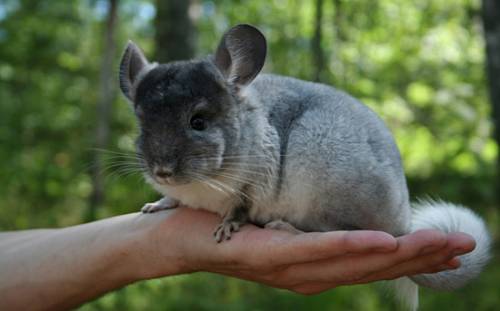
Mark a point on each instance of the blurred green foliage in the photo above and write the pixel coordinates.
(419, 64)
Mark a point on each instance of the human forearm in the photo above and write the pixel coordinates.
(7, 239)
(61, 268)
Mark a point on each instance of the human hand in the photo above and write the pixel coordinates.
(305, 263)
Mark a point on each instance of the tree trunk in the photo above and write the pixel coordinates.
(107, 95)
(491, 22)
(339, 25)
(318, 54)
(338, 21)
(174, 37)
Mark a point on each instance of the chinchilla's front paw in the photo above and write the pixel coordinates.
(165, 203)
(225, 229)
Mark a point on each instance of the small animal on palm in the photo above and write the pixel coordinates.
(278, 152)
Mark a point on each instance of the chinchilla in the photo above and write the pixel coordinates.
(278, 152)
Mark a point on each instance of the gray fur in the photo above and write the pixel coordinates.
(339, 152)
(278, 151)
(133, 67)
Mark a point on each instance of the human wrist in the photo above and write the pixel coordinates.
(180, 241)
(159, 245)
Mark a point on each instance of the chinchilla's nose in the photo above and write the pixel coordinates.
(163, 172)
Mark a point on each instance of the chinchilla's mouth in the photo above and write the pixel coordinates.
(170, 181)
(164, 181)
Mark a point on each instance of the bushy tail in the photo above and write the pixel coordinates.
(448, 218)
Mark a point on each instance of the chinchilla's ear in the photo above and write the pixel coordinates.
(241, 54)
(133, 67)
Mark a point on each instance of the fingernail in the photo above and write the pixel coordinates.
(445, 267)
(448, 266)
(453, 263)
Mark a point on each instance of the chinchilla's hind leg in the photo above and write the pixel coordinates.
(282, 225)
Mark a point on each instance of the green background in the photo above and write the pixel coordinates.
(419, 64)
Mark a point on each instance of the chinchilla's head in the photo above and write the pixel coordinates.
(190, 112)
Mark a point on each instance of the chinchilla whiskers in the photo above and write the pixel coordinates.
(225, 188)
(118, 154)
(239, 179)
(117, 161)
(245, 164)
(237, 165)
(247, 169)
(262, 172)
(237, 192)
(266, 173)
(122, 168)
(246, 176)
(125, 161)
(127, 172)
(264, 163)
(234, 157)
(241, 171)
(255, 156)
(121, 158)
(122, 164)
(205, 180)
(123, 172)
(222, 185)
(110, 162)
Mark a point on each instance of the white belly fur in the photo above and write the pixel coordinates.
(198, 195)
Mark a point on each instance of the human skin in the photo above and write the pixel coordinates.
(63, 268)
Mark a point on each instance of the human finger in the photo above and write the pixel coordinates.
(353, 267)
(457, 244)
(271, 247)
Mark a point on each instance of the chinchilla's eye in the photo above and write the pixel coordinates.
(198, 123)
